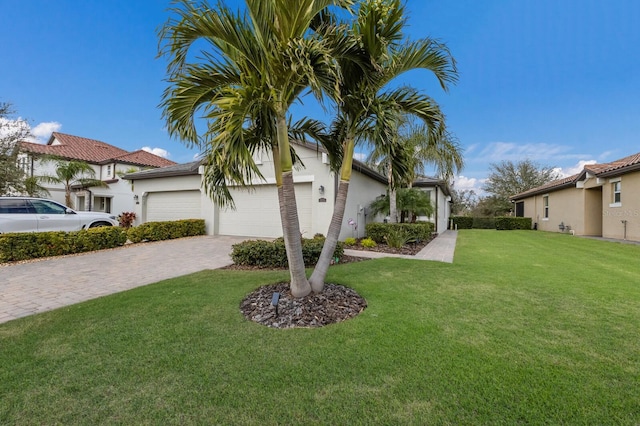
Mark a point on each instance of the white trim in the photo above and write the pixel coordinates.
(618, 179)
(615, 205)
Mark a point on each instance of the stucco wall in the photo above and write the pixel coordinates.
(565, 206)
(628, 209)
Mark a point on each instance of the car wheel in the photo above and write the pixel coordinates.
(99, 224)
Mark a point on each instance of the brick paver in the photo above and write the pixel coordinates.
(43, 285)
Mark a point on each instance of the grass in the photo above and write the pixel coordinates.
(525, 327)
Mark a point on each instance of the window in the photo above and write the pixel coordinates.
(109, 171)
(545, 206)
(615, 187)
(48, 207)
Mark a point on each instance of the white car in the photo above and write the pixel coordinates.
(26, 214)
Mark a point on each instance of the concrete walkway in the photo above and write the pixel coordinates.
(42, 285)
(441, 249)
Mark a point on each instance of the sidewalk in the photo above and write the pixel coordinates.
(441, 249)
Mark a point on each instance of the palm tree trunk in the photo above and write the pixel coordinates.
(393, 208)
(300, 286)
(330, 243)
(329, 247)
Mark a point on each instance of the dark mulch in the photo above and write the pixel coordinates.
(335, 304)
(409, 249)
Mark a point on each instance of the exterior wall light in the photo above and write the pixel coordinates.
(321, 190)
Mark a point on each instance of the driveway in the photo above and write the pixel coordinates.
(43, 285)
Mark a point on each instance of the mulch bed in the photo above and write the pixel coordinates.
(408, 249)
(335, 304)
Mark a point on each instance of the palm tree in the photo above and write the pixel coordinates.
(33, 187)
(70, 173)
(260, 61)
(383, 54)
(402, 150)
(412, 202)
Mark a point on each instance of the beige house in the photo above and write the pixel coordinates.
(603, 200)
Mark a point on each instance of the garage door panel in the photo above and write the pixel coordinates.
(257, 212)
(173, 205)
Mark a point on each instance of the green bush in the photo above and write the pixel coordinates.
(368, 243)
(484, 222)
(398, 237)
(350, 241)
(33, 245)
(272, 254)
(461, 222)
(158, 231)
(415, 231)
(509, 223)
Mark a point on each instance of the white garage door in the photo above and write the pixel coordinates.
(173, 205)
(257, 213)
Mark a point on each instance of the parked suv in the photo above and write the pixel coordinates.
(26, 214)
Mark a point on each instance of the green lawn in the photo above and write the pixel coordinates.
(524, 328)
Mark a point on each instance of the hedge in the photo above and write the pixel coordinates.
(272, 254)
(158, 231)
(416, 231)
(508, 223)
(33, 245)
(500, 223)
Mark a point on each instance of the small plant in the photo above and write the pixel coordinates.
(368, 243)
(126, 219)
(350, 241)
(318, 236)
(398, 237)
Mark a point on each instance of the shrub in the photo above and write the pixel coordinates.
(158, 231)
(368, 243)
(416, 231)
(461, 222)
(509, 223)
(398, 237)
(126, 219)
(350, 241)
(33, 245)
(272, 254)
(484, 222)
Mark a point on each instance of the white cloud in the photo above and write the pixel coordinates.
(157, 151)
(465, 183)
(538, 152)
(360, 156)
(569, 171)
(42, 131)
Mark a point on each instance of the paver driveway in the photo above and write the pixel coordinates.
(43, 285)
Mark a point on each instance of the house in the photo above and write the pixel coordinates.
(108, 162)
(440, 196)
(176, 192)
(602, 200)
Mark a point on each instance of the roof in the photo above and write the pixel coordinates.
(185, 169)
(428, 181)
(614, 168)
(192, 168)
(92, 151)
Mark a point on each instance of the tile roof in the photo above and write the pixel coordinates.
(613, 166)
(630, 163)
(555, 184)
(92, 151)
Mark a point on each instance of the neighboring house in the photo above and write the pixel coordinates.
(108, 162)
(440, 196)
(176, 192)
(603, 200)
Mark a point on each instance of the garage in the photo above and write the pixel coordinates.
(257, 212)
(173, 205)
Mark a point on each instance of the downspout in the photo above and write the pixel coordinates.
(437, 208)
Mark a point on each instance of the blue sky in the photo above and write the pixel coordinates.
(555, 81)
